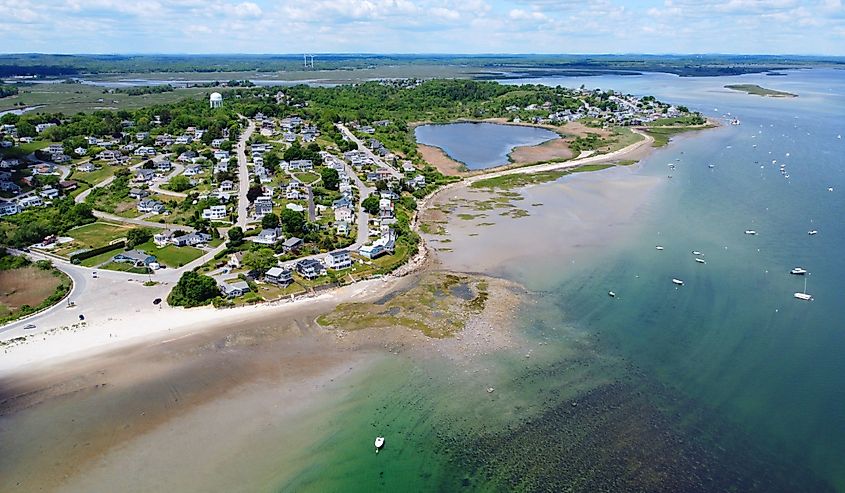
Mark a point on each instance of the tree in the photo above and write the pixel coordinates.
(193, 289)
(370, 204)
(137, 236)
(180, 183)
(270, 221)
(261, 260)
(331, 178)
(293, 222)
(236, 236)
(254, 192)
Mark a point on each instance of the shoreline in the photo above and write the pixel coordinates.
(127, 328)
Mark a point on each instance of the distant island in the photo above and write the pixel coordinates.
(760, 91)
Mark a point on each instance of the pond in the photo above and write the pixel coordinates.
(481, 145)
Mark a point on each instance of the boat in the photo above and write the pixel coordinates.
(803, 295)
(735, 122)
(711, 166)
(812, 232)
(379, 443)
(700, 260)
(678, 282)
(611, 294)
(829, 189)
(658, 247)
(750, 232)
(798, 271)
(696, 252)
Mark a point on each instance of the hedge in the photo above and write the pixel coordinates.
(80, 256)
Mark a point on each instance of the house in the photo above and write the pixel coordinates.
(383, 245)
(227, 186)
(162, 238)
(43, 126)
(8, 186)
(49, 193)
(30, 201)
(221, 154)
(292, 243)
(87, 168)
(338, 260)
(144, 175)
(80, 151)
(418, 181)
(234, 289)
(215, 213)
(216, 143)
(343, 214)
(310, 268)
(192, 170)
(268, 236)
(108, 155)
(8, 208)
(342, 228)
(60, 158)
(191, 239)
(263, 206)
(68, 185)
(145, 151)
(147, 205)
(279, 275)
(184, 139)
(164, 165)
(385, 208)
(135, 257)
(138, 193)
(236, 260)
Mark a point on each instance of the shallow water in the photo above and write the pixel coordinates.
(481, 145)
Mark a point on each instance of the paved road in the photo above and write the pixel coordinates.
(156, 187)
(312, 213)
(377, 159)
(243, 177)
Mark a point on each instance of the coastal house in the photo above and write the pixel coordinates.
(236, 260)
(8, 208)
(343, 214)
(138, 193)
(341, 228)
(146, 206)
(268, 236)
(162, 238)
(227, 186)
(338, 260)
(30, 201)
(144, 175)
(191, 239)
(49, 193)
(279, 276)
(87, 168)
(135, 257)
(234, 289)
(310, 268)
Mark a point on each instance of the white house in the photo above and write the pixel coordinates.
(268, 236)
(8, 208)
(338, 260)
(215, 213)
(30, 201)
(343, 214)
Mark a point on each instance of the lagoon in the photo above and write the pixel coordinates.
(481, 145)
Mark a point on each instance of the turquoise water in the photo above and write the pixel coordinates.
(733, 339)
(481, 145)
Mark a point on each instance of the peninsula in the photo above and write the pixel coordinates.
(756, 90)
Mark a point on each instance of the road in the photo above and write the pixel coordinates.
(363, 218)
(139, 222)
(376, 159)
(243, 177)
(156, 187)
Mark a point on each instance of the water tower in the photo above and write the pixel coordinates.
(216, 100)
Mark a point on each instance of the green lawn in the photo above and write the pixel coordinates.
(171, 256)
(306, 177)
(93, 177)
(98, 234)
(124, 267)
(24, 149)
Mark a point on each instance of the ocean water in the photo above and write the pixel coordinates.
(481, 145)
(727, 383)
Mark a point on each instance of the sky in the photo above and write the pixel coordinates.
(814, 27)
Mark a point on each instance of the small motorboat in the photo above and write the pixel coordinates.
(711, 166)
(750, 232)
(379, 443)
(700, 260)
(812, 232)
(611, 294)
(678, 282)
(803, 296)
(798, 271)
(658, 247)
(696, 252)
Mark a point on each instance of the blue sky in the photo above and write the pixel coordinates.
(423, 26)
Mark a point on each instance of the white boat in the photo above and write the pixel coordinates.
(611, 294)
(803, 295)
(711, 166)
(696, 252)
(798, 271)
(750, 232)
(379, 443)
(812, 232)
(678, 282)
(658, 247)
(700, 260)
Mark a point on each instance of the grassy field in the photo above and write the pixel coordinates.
(100, 259)
(24, 149)
(76, 98)
(29, 289)
(93, 177)
(306, 177)
(756, 90)
(98, 234)
(171, 256)
(517, 180)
